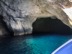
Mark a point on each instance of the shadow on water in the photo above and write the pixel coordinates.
(14, 45)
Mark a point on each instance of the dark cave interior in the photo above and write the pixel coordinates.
(50, 26)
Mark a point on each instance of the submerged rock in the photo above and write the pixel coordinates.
(19, 15)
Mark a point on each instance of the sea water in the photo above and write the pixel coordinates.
(32, 44)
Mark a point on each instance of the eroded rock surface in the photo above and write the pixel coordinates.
(19, 15)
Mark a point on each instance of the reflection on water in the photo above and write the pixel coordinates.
(32, 44)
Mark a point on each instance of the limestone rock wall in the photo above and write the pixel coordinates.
(19, 15)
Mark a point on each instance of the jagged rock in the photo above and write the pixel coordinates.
(19, 15)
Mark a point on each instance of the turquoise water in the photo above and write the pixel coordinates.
(32, 44)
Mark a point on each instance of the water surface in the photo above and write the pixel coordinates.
(32, 44)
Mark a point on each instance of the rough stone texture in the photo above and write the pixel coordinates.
(19, 15)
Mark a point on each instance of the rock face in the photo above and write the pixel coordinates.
(19, 15)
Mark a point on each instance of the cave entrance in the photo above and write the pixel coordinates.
(50, 26)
